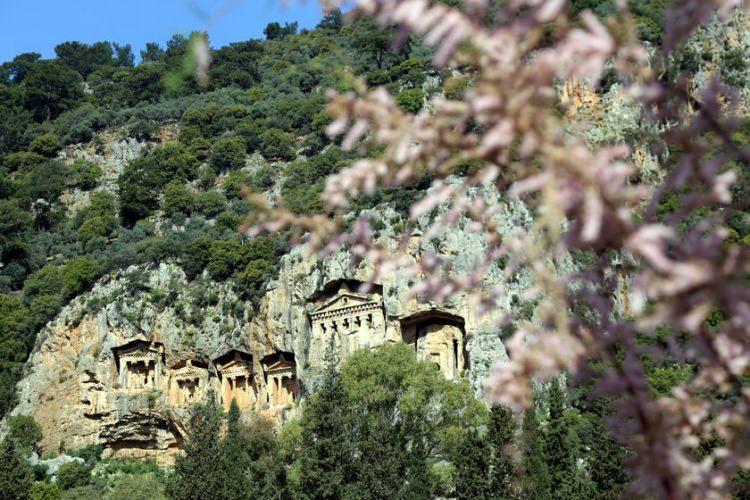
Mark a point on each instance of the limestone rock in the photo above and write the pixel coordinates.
(121, 365)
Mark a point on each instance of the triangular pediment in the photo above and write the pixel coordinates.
(234, 362)
(281, 364)
(342, 300)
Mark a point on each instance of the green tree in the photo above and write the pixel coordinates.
(16, 476)
(84, 58)
(45, 491)
(268, 475)
(46, 145)
(51, 88)
(198, 474)
(85, 174)
(24, 431)
(536, 478)
(196, 255)
(177, 199)
(228, 153)
(424, 414)
(234, 456)
(561, 447)
(605, 459)
(410, 100)
(326, 450)
(277, 145)
(73, 475)
(210, 203)
(142, 180)
(501, 435)
(274, 31)
(473, 468)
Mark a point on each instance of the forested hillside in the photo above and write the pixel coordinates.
(264, 104)
(184, 149)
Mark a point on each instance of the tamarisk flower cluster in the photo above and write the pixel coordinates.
(586, 200)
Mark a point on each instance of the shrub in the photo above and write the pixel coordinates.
(24, 431)
(78, 275)
(91, 453)
(253, 278)
(73, 475)
(228, 153)
(141, 182)
(143, 129)
(200, 147)
(178, 199)
(22, 161)
(251, 131)
(137, 487)
(264, 178)
(93, 227)
(410, 100)
(196, 255)
(206, 177)
(83, 493)
(225, 258)
(45, 491)
(234, 183)
(228, 221)
(46, 145)
(277, 145)
(210, 203)
(85, 174)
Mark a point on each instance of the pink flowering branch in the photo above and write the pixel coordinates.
(584, 199)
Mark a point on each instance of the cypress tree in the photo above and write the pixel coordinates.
(326, 448)
(199, 473)
(473, 468)
(16, 476)
(268, 475)
(536, 476)
(235, 460)
(500, 435)
(558, 454)
(561, 448)
(605, 458)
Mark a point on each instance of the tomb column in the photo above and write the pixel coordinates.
(123, 373)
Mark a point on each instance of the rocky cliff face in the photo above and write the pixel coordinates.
(121, 364)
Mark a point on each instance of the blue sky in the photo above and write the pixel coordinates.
(39, 25)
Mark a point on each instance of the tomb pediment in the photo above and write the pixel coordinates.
(279, 363)
(235, 369)
(189, 372)
(342, 300)
(344, 304)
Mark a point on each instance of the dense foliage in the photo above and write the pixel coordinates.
(384, 425)
(259, 123)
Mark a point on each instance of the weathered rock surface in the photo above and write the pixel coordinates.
(53, 464)
(114, 367)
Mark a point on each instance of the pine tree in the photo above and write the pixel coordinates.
(473, 468)
(326, 448)
(500, 435)
(15, 473)
(199, 473)
(536, 476)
